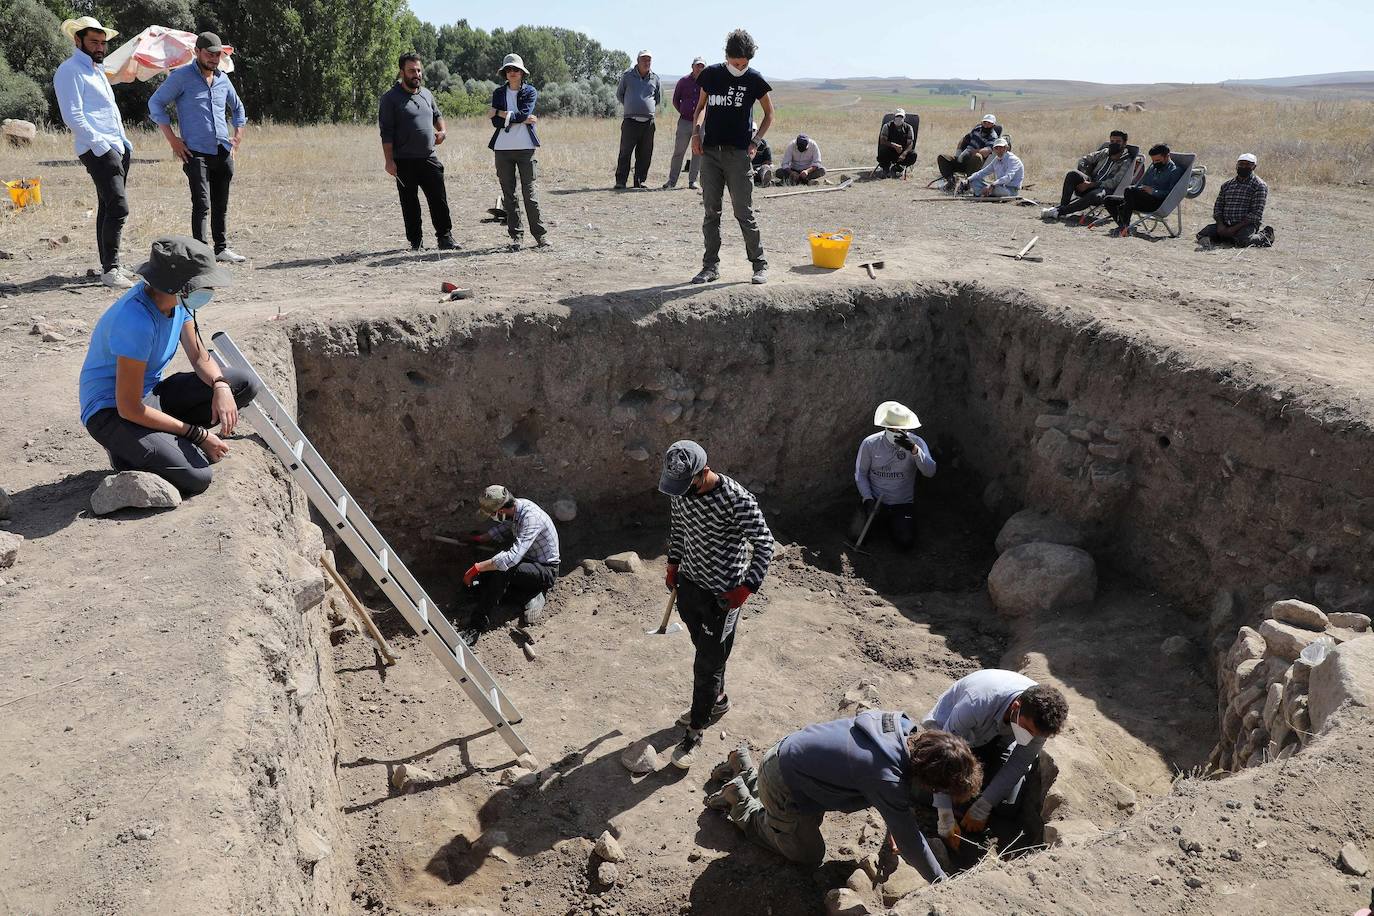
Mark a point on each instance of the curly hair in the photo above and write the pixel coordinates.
(943, 762)
(1047, 706)
(740, 43)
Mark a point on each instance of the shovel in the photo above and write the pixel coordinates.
(663, 628)
(859, 544)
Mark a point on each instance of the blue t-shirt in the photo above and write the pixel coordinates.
(134, 328)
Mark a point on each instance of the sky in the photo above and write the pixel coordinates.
(995, 39)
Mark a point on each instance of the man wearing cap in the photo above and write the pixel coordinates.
(132, 344)
(719, 547)
(974, 148)
(412, 126)
(527, 564)
(896, 145)
(801, 162)
(885, 472)
(1239, 210)
(1001, 176)
(201, 94)
(640, 94)
(88, 108)
(685, 101)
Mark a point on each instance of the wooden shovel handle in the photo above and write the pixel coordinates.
(668, 611)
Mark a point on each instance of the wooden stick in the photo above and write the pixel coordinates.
(361, 611)
(444, 540)
(44, 690)
(1029, 245)
(839, 187)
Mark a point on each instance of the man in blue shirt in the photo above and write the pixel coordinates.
(201, 94)
(88, 108)
(1159, 179)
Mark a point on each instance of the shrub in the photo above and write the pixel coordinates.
(21, 97)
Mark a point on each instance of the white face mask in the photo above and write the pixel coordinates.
(735, 71)
(1019, 732)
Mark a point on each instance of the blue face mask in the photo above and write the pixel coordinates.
(197, 299)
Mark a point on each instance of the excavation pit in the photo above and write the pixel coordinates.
(1169, 469)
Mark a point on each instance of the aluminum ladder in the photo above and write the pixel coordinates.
(352, 526)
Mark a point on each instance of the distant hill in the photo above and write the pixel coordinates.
(1313, 79)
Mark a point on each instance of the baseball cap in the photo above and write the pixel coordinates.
(899, 113)
(698, 60)
(991, 119)
(683, 461)
(1247, 157)
(1000, 141)
(645, 53)
(209, 41)
(492, 498)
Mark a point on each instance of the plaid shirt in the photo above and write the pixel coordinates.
(1241, 200)
(536, 540)
(710, 535)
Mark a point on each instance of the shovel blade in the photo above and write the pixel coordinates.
(673, 627)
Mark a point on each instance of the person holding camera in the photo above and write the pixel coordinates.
(885, 473)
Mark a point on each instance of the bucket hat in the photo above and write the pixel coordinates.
(513, 60)
(179, 262)
(895, 415)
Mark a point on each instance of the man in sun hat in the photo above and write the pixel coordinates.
(525, 565)
(885, 473)
(131, 345)
(1238, 212)
(973, 150)
(640, 94)
(88, 108)
(719, 547)
(201, 94)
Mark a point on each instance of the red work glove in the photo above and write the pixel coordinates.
(476, 537)
(737, 596)
(472, 573)
(670, 577)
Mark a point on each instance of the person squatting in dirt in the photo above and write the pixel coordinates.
(525, 566)
(719, 547)
(885, 472)
(1238, 214)
(1006, 718)
(877, 759)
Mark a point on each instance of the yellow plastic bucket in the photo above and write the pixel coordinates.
(829, 249)
(25, 192)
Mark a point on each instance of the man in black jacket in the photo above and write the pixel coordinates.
(897, 145)
(973, 151)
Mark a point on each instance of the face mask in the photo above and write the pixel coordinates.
(898, 437)
(899, 121)
(802, 145)
(1114, 149)
(1022, 736)
(1243, 172)
(197, 299)
(1162, 165)
(735, 71)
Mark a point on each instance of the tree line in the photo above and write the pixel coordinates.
(311, 61)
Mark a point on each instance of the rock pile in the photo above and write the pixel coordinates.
(1264, 683)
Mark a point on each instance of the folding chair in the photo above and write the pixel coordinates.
(1097, 214)
(1190, 183)
(915, 121)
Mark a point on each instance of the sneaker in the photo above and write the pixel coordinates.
(707, 275)
(685, 754)
(721, 708)
(543, 242)
(1205, 243)
(961, 188)
(619, 186)
(446, 242)
(515, 245)
(1267, 233)
(229, 256)
(730, 794)
(640, 186)
(416, 246)
(669, 186)
(115, 279)
(535, 604)
(760, 276)
(1050, 213)
(691, 185)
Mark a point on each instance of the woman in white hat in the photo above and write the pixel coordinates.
(885, 473)
(514, 142)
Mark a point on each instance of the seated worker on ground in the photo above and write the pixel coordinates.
(527, 564)
(876, 760)
(897, 146)
(1006, 718)
(972, 151)
(885, 473)
(762, 163)
(1001, 177)
(801, 162)
(130, 347)
(1145, 197)
(1239, 210)
(1108, 170)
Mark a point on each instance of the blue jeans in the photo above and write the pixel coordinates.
(976, 186)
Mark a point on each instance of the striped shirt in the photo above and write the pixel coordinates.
(536, 540)
(710, 533)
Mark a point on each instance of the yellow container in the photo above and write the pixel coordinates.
(25, 192)
(829, 249)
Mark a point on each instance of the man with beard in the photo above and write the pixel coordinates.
(412, 126)
(89, 110)
(201, 94)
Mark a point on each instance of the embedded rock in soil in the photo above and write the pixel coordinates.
(607, 848)
(1030, 526)
(607, 873)
(626, 562)
(1072, 832)
(407, 777)
(1042, 577)
(7, 504)
(1175, 646)
(901, 882)
(1345, 619)
(1299, 614)
(1353, 860)
(842, 901)
(9, 548)
(1347, 674)
(133, 490)
(1285, 642)
(565, 510)
(640, 758)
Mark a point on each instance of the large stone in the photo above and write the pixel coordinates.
(9, 548)
(1271, 705)
(1353, 860)
(133, 490)
(1061, 453)
(1299, 614)
(1284, 641)
(565, 510)
(407, 777)
(607, 873)
(905, 880)
(626, 562)
(1070, 832)
(7, 507)
(1346, 676)
(1348, 620)
(1034, 525)
(1175, 646)
(862, 697)
(1042, 577)
(640, 758)
(313, 847)
(608, 849)
(841, 901)
(1249, 644)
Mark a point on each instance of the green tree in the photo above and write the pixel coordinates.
(437, 77)
(20, 96)
(419, 36)
(466, 50)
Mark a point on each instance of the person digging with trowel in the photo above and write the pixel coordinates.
(719, 547)
(885, 473)
(526, 565)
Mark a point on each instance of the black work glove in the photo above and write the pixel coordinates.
(906, 442)
(868, 505)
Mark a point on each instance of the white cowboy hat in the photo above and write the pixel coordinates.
(894, 415)
(513, 60)
(72, 26)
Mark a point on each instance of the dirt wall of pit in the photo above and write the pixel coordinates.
(1183, 477)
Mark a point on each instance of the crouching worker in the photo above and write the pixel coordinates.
(131, 346)
(896, 145)
(526, 566)
(885, 473)
(1239, 211)
(1006, 718)
(875, 760)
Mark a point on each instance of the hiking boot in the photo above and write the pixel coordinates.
(720, 709)
(760, 276)
(1050, 213)
(515, 245)
(114, 278)
(229, 256)
(687, 750)
(707, 275)
(730, 794)
(446, 242)
(535, 604)
(1267, 233)
(738, 761)
(543, 242)
(620, 186)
